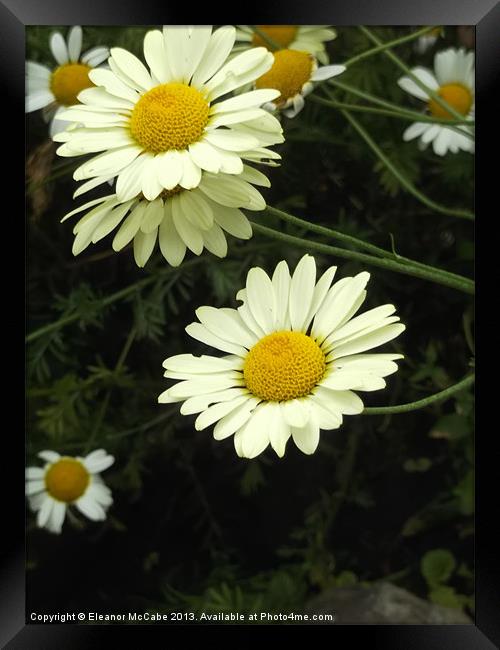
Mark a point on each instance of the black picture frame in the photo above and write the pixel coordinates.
(14, 16)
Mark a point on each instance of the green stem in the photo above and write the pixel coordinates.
(462, 284)
(348, 239)
(66, 320)
(385, 46)
(422, 403)
(463, 214)
(396, 108)
(395, 59)
(408, 116)
(267, 39)
(104, 405)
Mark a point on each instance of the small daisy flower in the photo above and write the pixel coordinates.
(65, 481)
(178, 219)
(160, 127)
(295, 356)
(453, 80)
(54, 90)
(425, 42)
(293, 73)
(308, 38)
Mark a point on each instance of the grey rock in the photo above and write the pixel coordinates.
(382, 604)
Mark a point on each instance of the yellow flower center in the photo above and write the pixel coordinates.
(284, 365)
(290, 71)
(170, 116)
(66, 480)
(281, 34)
(68, 80)
(457, 96)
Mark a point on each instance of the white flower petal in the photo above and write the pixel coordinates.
(155, 55)
(296, 412)
(75, 43)
(58, 48)
(230, 423)
(200, 333)
(132, 68)
(172, 247)
(227, 325)
(56, 518)
(281, 282)
(216, 412)
(218, 49)
(279, 430)
(38, 99)
(261, 298)
(45, 512)
(255, 433)
(143, 246)
(307, 437)
(189, 234)
(90, 508)
(301, 292)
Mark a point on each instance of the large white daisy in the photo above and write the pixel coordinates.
(453, 80)
(65, 481)
(54, 89)
(308, 38)
(161, 127)
(295, 354)
(178, 219)
(292, 74)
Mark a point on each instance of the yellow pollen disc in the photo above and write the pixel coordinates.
(457, 96)
(66, 480)
(284, 365)
(281, 34)
(170, 116)
(290, 71)
(68, 80)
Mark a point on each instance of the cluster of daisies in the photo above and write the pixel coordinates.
(175, 141)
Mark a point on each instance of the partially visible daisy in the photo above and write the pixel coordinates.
(54, 90)
(161, 127)
(309, 38)
(295, 356)
(425, 42)
(178, 219)
(453, 80)
(66, 481)
(292, 74)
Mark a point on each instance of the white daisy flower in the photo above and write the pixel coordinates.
(425, 42)
(161, 127)
(453, 80)
(65, 481)
(295, 354)
(54, 90)
(308, 38)
(178, 219)
(292, 74)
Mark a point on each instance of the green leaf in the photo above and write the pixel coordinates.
(437, 566)
(447, 597)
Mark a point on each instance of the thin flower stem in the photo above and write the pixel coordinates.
(105, 403)
(348, 239)
(267, 39)
(62, 322)
(422, 403)
(360, 108)
(385, 46)
(462, 214)
(395, 108)
(462, 284)
(395, 59)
